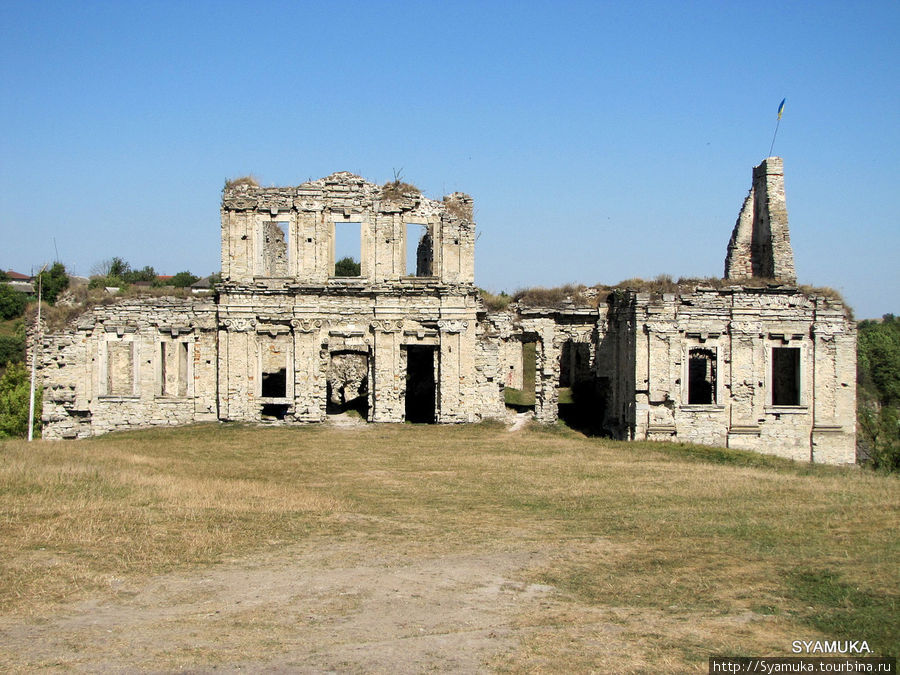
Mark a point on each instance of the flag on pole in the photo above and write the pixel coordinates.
(781, 107)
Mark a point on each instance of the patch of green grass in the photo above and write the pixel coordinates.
(847, 611)
(525, 395)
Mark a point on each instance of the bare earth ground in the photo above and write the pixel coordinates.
(322, 608)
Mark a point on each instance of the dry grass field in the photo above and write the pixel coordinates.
(414, 548)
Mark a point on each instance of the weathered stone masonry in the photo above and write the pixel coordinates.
(753, 365)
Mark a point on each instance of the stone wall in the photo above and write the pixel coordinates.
(784, 375)
(310, 214)
(287, 341)
(135, 363)
(760, 244)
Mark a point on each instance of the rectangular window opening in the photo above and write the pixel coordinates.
(274, 247)
(785, 376)
(173, 368)
(419, 251)
(347, 249)
(702, 376)
(120, 368)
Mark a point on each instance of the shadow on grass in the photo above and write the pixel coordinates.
(845, 612)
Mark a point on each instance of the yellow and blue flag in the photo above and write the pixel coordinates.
(781, 107)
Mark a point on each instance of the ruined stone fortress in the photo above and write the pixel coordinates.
(752, 362)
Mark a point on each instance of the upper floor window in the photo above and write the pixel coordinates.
(273, 246)
(419, 251)
(347, 253)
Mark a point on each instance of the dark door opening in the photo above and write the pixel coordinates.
(420, 384)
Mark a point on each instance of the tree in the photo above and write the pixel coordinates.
(878, 393)
(14, 392)
(118, 268)
(12, 349)
(346, 267)
(12, 302)
(53, 281)
(147, 273)
(183, 279)
(4, 276)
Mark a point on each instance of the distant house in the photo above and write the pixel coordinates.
(163, 278)
(18, 276)
(25, 287)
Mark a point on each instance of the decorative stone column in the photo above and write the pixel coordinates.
(388, 375)
(309, 382)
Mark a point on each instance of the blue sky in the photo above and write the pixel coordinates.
(601, 141)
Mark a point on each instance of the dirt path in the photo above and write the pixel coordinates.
(299, 611)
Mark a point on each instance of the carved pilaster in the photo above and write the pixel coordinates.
(387, 325)
(453, 326)
(239, 325)
(306, 325)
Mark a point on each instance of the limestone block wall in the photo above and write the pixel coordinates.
(490, 369)
(135, 363)
(760, 244)
(310, 215)
(374, 323)
(551, 330)
(770, 370)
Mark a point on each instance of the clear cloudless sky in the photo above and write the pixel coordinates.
(600, 140)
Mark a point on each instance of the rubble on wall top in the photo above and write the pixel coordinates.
(341, 190)
(575, 299)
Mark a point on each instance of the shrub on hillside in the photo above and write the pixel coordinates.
(14, 392)
(12, 302)
(878, 393)
(12, 347)
(53, 282)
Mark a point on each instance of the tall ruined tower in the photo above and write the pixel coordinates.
(760, 244)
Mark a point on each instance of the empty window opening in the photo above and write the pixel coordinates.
(173, 366)
(420, 384)
(785, 376)
(274, 384)
(274, 247)
(347, 249)
(274, 411)
(274, 352)
(522, 399)
(348, 383)
(120, 368)
(419, 250)
(702, 376)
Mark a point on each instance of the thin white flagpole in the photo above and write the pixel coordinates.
(773, 137)
(780, 110)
